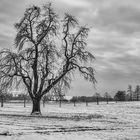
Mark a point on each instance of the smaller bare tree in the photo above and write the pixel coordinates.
(44, 99)
(130, 92)
(137, 92)
(59, 93)
(107, 97)
(97, 95)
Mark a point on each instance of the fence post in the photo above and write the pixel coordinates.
(60, 103)
(86, 103)
(97, 100)
(74, 103)
(2, 100)
(24, 101)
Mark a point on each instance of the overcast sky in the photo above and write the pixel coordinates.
(114, 38)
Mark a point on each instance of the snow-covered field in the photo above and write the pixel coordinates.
(115, 121)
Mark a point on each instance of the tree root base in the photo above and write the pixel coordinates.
(36, 113)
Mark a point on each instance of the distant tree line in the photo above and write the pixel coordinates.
(95, 98)
(6, 97)
(129, 95)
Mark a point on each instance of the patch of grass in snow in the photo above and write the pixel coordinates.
(5, 133)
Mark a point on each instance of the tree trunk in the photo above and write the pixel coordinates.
(36, 107)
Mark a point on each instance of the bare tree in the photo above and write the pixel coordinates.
(107, 96)
(97, 95)
(45, 98)
(137, 92)
(59, 94)
(74, 100)
(45, 56)
(130, 92)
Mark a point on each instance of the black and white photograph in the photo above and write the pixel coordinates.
(69, 69)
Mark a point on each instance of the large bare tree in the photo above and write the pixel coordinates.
(47, 53)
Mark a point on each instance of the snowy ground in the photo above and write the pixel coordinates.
(115, 121)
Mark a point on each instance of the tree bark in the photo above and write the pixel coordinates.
(36, 107)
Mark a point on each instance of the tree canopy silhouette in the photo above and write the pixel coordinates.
(47, 53)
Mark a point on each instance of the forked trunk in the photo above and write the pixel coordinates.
(36, 107)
